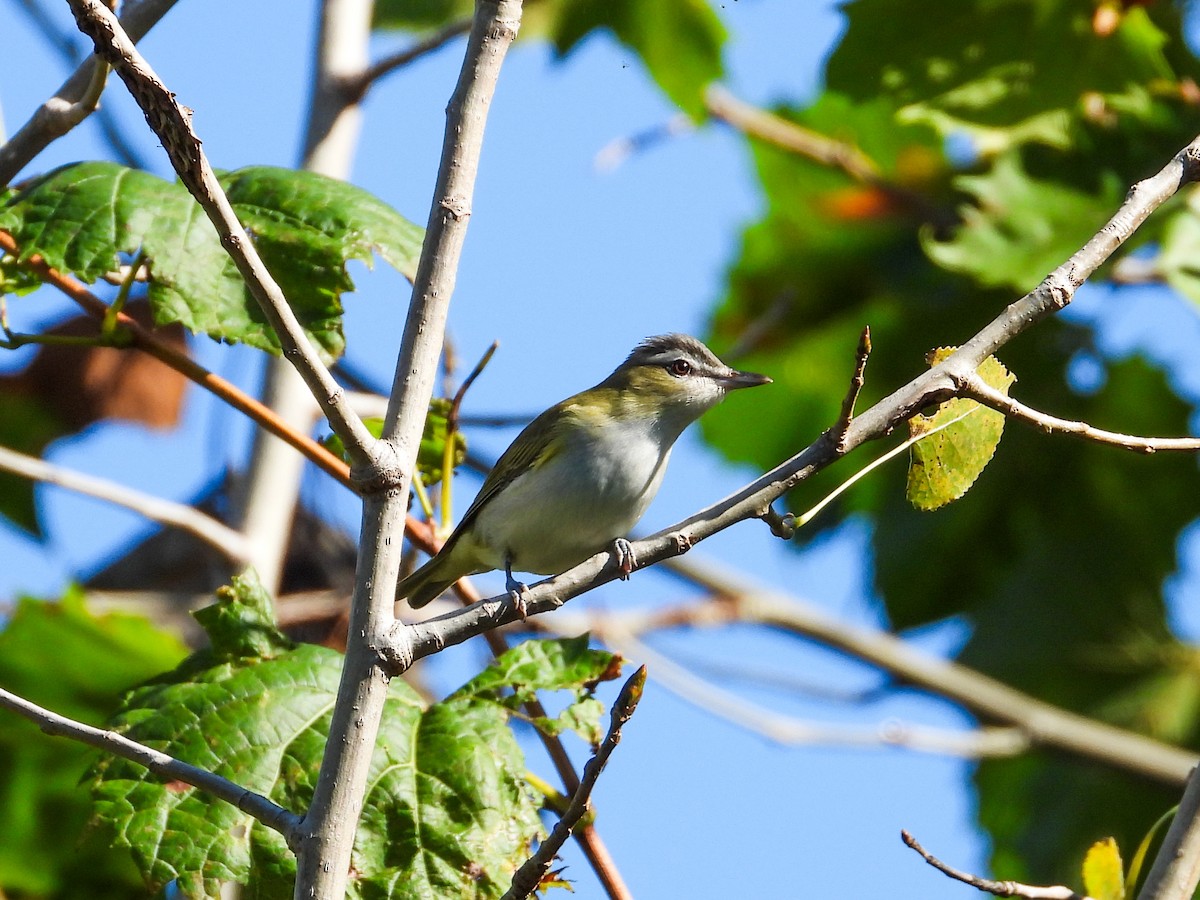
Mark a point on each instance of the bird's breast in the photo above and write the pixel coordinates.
(573, 505)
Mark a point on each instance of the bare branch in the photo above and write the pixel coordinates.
(527, 878)
(324, 847)
(977, 389)
(172, 123)
(1176, 869)
(178, 515)
(256, 805)
(62, 112)
(937, 384)
(998, 888)
(358, 87)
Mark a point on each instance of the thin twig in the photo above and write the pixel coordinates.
(255, 805)
(998, 888)
(58, 115)
(145, 340)
(178, 515)
(527, 878)
(977, 389)
(358, 87)
(172, 123)
(856, 385)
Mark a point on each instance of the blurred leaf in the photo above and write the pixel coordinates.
(68, 387)
(420, 15)
(43, 809)
(1019, 228)
(448, 813)
(1005, 72)
(431, 454)
(679, 41)
(305, 227)
(1179, 255)
(1103, 872)
(944, 465)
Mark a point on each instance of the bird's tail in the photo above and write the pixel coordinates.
(425, 584)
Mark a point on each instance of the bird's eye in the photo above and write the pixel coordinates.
(680, 367)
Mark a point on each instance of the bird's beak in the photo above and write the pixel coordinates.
(735, 379)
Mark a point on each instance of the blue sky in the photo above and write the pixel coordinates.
(568, 267)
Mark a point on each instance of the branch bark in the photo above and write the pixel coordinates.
(172, 123)
(256, 805)
(327, 835)
(1176, 869)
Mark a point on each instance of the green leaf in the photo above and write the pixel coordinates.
(1103, 872)
(431, 453)
(306, 227)
(1018, 228)
(448, 811)
(1179, 254)
(419, 15)
(95, 658)
(679, 41)
(962, 437)
(1004, 72)
(28, 427)
(533, 666)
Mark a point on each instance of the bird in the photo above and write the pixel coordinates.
(579, 477)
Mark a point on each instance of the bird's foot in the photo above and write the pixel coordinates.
(626, 560)
(517, 590)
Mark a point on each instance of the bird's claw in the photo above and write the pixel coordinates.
(626, 560)
(517, 590)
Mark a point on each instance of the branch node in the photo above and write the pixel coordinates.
(782, 526)
(856, 384)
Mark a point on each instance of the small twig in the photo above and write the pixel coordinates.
(981, 392)
(172, 123)
(144, 340)
(856, 385)
(998, 888)
(527, 878)
(356, 88)
(256, 805)
(186, 518)
(447, 501)
(782, 526)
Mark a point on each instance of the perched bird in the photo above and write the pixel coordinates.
(581, 474)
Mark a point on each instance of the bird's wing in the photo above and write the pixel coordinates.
(519, 458)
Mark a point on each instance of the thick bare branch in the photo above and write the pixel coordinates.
(324, 847)
(172, 123)
(256, 805)
(1176, 869)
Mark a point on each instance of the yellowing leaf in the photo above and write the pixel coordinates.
(962, 438)
(1103, 874)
